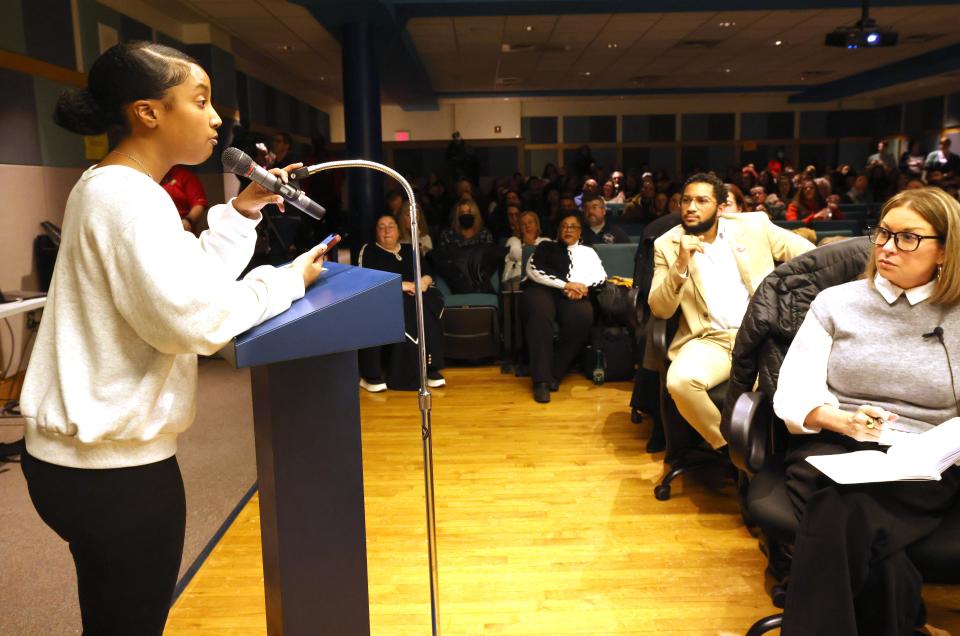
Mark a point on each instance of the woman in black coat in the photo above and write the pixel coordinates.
(396, 366)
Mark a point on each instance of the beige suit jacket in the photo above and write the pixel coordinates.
(756, 244)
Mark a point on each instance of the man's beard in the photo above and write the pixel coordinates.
(703, 226)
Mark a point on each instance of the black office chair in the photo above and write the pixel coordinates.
(686, 450)
(757, 438)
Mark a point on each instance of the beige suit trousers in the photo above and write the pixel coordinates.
(701, 364)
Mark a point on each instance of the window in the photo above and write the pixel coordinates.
(590, 129)
(714, 127)
(766, 125)
(649, 128)
(539, 130)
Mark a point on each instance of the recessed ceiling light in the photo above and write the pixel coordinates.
(778, 43)
(726, 24)
(584, 73)
(286, 48)
(612, 45)
(727, 69)
(528, 28)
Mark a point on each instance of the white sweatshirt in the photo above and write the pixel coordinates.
(113, 375)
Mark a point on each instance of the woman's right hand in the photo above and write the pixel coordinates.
(867, 423)
(310, 264)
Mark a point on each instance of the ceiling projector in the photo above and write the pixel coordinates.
(862, 35)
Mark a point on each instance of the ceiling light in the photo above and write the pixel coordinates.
(286, 48)
(727, 69)
(528, 28)
(778, 43)
(726, 24)
(612, 45)
(584, 73)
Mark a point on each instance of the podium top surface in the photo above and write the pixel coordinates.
(347, 308)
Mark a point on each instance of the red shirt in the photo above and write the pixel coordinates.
(184, 188)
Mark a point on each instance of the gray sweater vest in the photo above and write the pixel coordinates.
(880, 357)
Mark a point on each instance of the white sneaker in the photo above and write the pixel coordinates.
(373, 387)
(435, 380)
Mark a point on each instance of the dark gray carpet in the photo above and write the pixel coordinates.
(216, 456)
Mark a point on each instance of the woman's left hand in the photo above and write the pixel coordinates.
(252, 199)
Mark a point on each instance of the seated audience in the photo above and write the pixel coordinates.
(859, 366)
(708, 267)
(943, 160)
(661, 203)
(640, 209)
(598, 230)
(187, 193)
(859, 193)
(609, 193)
(912, 160)
(808, 202)
(590, 188)
(734, 203)
(883, 157)
(466, 228)
(423, 229)
(391, 366)
(528, 235)
(560, 276)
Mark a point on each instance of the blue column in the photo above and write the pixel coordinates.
(361, 119)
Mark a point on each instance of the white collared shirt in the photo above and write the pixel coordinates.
(803, 374)
(724, 291)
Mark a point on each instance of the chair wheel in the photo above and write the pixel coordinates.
(779, 596)
(662, 492)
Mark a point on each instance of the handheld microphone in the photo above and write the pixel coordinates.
(240, 163)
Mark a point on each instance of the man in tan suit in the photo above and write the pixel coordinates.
(709, 266)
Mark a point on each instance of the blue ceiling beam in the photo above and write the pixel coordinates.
(403, 78)
(440, 8)
(626, 92)
(924, 65)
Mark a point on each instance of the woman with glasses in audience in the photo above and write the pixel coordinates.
(560, 276)
(389, 366)
(871, 356)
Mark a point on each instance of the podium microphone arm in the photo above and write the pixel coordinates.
(425, 398)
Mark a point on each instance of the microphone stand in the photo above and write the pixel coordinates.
(425, 397)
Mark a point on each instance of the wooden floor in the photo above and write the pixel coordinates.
(546, 524)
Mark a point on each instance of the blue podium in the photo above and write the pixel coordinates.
(306, 413)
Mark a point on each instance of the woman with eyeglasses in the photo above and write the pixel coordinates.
(560, 277)
(873, 356)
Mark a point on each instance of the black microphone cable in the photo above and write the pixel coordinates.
(938, 334)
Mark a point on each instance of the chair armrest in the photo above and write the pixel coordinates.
(749, 431)
(658, 344)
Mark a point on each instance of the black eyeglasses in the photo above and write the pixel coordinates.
(905, 241)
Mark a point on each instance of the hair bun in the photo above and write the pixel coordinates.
(78, 112)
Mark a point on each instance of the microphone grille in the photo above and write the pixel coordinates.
(236, 160)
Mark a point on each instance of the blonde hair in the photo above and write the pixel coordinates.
(404, 213)
(474, 211)
(536, 219)
(942, 212)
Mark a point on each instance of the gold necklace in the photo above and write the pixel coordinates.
(147, 172)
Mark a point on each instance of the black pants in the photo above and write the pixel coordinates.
(540, 308)
(850, 573)
(125, 530)
(399, 364)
